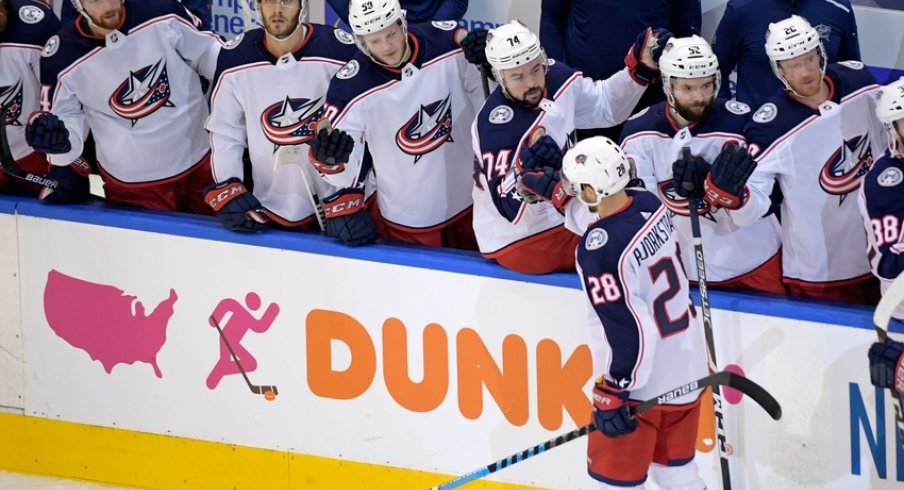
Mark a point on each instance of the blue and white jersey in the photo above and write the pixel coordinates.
(29, 25)
(644, 333)
(501, 132)
(819, 157)
(881, 201)
(654, 141)
(414, 120)
(266, 102)
(137, 89)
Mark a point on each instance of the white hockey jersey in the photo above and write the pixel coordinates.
(500, 132)
(654, 142)
(137, 90)
(644, 333)
(415, 122)
(266, 102)
(29, 26)
(819, 157)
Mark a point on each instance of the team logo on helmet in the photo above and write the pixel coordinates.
(11, 102)
(291, 121)
(890, 177)
(31, 14)
(427, 130)
(142, 93)
(844, 170)
(679, 205)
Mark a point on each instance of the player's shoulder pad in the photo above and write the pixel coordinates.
(726, 116)
(329, 42)
(774, 119)
(651, 118)
(558, 75)
(240, 50)
(140, 11)
(434, 41)
(735, 107)
(32, 23)
(765, 114)
(501, 123)
(62, 50)
(849, 76)
(357, 76)
(887, 172)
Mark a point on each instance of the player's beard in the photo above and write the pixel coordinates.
(108, 20)
(3, 15)
(288, 27)
(695, 113)
(531, 97)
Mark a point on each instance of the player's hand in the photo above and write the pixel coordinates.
(46, 133)
(726, 185)
(689, 174)
(544, 153)
(330, 151)
(610, 410)
(71, 183)
(346, 218)
(885, 365)
(236, 208)
(474, 46)
(642, 59)
(545, 183)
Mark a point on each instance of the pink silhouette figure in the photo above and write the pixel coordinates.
(239, 323)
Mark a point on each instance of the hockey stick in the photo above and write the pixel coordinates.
(291, 154)
(893, 297)
(256, 389)
(724, 378)
(8, 163)
(484, 82)
(708, 331)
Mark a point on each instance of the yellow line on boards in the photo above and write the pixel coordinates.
(129, 458)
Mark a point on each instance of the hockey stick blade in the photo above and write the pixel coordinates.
(8, 163)
(723, 378)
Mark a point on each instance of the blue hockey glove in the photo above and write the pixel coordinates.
(727, 181)
(610, 410)
(330, 151)
(71, 183)
(642, 59)
(236, 208)
(346, 218)
(544, 182)
(544, 153)
(885, 365)
(689, 174)
(474, 46)
(46, 133)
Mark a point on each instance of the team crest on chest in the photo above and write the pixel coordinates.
(427, 130)
(844, 170)
(141, 94)
(292, 120)
(679, 205)
(11, 102)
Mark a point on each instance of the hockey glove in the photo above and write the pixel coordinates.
(610, 410)
(346, 218)
(330, 151)
(71, 183)
(545, 183)
(885, 365)
(642, 59)
(46, 133)
(235, 207)
(544, 153)
(727, 181)
(474, 46)
(688, 175)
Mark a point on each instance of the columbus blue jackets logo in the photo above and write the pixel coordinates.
(11, 102)
(844, 170)
(427, 130)
(679, 205)
(291, 121)
(143, 93)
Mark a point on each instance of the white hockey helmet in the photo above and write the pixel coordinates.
(599, 163)
(790, 38)
(510, 46)
(370, 16)
(688, 57)
(302, 16)
(890, 110)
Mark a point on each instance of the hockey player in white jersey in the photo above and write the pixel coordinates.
(817, 138)
(25, 27)
(127, 70)
(644, 335)
(410, 96)
(535, 92)
(712, 128)
(881, 196)
(268, 94)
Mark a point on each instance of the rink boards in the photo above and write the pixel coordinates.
(395, 367)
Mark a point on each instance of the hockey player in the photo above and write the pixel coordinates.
(644, 335)
(817, 138)
(25, 26)
(127, 70)
(535, 92)
(410, 96)
(693, 117)
(269, 92)
(881, 199)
